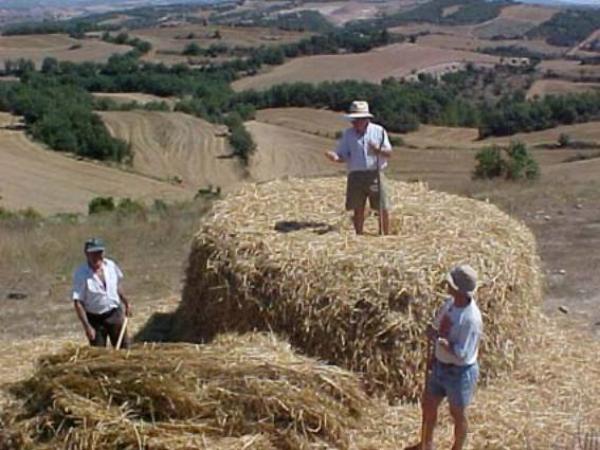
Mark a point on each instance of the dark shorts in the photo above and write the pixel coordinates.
(109, 325)
(363, 185)
(455, 382)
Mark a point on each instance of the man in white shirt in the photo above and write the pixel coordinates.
(456, 332)
(98, 298)
(365, 148)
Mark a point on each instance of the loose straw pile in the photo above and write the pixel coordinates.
(282, 256)
(248, 392)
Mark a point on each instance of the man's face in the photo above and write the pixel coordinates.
(95, 259)
(360, 125)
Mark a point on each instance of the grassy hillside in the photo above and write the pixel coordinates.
(569, 27)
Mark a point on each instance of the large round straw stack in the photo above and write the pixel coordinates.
(248, 392)
(283, 256)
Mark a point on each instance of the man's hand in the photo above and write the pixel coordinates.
(443, 342)
(90, 333)
(377, 150)
(332, 156)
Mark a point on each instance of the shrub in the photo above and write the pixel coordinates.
(564, 140)
(512, 163)
(489, 163)
(128, 207)
(520, 163)
(242, 143)
(100, 205)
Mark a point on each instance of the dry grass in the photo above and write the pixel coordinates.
(542, 88)
(59, 46)
(396, 60)
(531, 13)
(359, 302)
(52, 182)
(589, 131)
(570, 69)
(177, 146)
(167, 38)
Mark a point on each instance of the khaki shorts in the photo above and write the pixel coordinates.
(362, 185)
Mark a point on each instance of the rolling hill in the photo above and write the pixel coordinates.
(176, 146)
(51, 182)
(395, 60)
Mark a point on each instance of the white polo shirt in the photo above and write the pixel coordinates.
(89, 290)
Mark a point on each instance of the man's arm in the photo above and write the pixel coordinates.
(89, 330)
(126, 302)
(341, 153)
(466, 343)
(382, 148)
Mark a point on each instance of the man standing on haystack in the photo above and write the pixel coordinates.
(98, 298)
(365, 148)
(456, 332)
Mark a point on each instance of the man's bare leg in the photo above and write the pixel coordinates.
(385, 222)
(359, 220)
(461, 426)
(431, 404)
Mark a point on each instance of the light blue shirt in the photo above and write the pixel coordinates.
(353, 148)
(465, 333)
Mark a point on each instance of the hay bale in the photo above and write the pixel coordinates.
(283, 256)
(248, 392)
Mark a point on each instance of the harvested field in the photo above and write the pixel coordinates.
(570, 69)
(397, 60)
(535, 14)
(321, 122)
(424, 28)
(589, 131)
(176, 146)
(431, 136)
(282, 256)
(503, 27)
(59, 46)
(128, 97)
(444, 157)
(175, 38)
(542, 88)
(284, 152)
(341, 12)
(51, 182)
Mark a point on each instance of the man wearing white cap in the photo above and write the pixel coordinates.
(365, 148)
(456, 332)
(98, 298)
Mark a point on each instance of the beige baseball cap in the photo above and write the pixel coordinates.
(463, 278)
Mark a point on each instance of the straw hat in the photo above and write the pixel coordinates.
(463, 278)
(359, 110)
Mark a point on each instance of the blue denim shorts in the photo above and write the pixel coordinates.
(455, 382)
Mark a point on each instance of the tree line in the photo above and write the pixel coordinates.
(61, 116)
